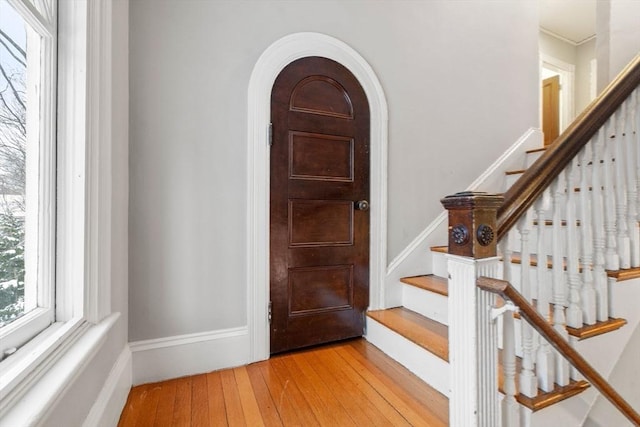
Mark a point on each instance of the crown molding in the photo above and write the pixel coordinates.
(566, 40)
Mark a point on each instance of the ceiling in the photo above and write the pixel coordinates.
(574, 20)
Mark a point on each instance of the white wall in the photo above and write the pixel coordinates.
(585, 53)
(461, 81)
(618, 39)
(626, 381)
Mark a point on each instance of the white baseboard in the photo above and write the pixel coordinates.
(107, 408)
(178, 356)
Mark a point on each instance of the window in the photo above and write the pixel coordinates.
(27, 172)
(67, 220)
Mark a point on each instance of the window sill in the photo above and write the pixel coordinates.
(23, 329)
(34, 381)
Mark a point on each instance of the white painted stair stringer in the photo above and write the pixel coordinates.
(414, 259)
(424, 364)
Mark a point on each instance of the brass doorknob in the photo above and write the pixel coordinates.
(362, 205)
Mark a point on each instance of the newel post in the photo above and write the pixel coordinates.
(473, 354)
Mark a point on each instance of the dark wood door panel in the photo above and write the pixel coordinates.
(320, 157)
(321, 95)
(308, 221)
(314, 290)
(321, 328)
(319, 258)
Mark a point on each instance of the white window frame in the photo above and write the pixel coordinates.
(40, 173)
(83, 205)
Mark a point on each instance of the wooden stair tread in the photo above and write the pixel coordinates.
(429, 282)
(543, 399)
(558, 394)
(428, 334)
(441, 249)
(516, 258)
(537, 150)
(550, 222)
(515, 172)
(625, 274)
(619, 275)
(599, 328)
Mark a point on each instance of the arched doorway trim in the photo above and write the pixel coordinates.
(271, 62)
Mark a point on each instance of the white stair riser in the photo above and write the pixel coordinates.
(439, 263)
(429, 304)
(510, 179)
(532, 157)
(424, 364)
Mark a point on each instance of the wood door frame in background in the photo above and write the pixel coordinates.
(550, 109)
(567, 74)
(269, 65)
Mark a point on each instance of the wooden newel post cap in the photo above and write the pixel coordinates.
(472, 223)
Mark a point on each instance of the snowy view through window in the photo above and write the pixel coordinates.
(13, 140)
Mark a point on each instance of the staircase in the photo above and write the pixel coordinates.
(416, 334)
(592, 308)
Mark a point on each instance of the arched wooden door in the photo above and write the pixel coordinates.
(319, 217)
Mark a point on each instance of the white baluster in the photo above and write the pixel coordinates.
(574, 311)
(612, 260)
(558, 188)
(588, 292)
(528, 380)
(599, 273)
(624, 244)
(505, 252)
(636, 143)
(510, 407)
(545, 364)
(632, 187)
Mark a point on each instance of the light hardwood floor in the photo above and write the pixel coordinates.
(350, 383)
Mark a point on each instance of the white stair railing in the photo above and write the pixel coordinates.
(584, 222)
(570, 230)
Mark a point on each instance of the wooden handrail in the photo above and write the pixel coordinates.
(531, 315)
(524, 192)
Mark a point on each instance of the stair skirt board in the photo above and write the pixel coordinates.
(411, 260)
(424, 364)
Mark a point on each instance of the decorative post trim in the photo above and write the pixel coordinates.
(472, 223)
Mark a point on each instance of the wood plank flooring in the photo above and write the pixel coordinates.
(350, 383)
